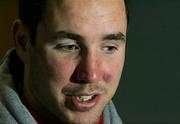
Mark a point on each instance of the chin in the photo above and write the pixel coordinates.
(84, 118)
(75, 117)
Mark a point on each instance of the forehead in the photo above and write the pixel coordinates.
(83, 16)
(85, 8)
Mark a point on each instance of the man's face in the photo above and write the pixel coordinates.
(76, 64)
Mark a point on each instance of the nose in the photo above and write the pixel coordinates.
(88, 69)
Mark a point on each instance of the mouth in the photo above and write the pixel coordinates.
(83, 103)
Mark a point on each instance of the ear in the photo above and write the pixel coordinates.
(21, 39)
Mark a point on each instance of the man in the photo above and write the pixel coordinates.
(67, 62)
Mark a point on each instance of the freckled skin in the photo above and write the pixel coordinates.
(51, 70)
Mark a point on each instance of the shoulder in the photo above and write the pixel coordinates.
(110, 114)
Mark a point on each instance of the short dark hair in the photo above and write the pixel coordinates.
(31, 12)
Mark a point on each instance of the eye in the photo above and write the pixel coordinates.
(67, 47)
(110, 49)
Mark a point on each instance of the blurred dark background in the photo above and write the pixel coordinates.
(149, 91)
(8, 12)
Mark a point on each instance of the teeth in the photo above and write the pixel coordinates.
(84, 98)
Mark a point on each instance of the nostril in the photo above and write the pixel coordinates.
(81, 76)
(84, 77)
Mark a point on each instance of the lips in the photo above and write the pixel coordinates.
(83, 103)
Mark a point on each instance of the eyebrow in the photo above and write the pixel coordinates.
(64, 35)
(118, 36)
(77, 37)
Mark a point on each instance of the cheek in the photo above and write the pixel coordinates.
(61, 70)
(58, 69)
(113, 71)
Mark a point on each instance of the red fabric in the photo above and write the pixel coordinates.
(100, 120)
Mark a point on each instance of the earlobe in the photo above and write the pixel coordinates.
(21, 39)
